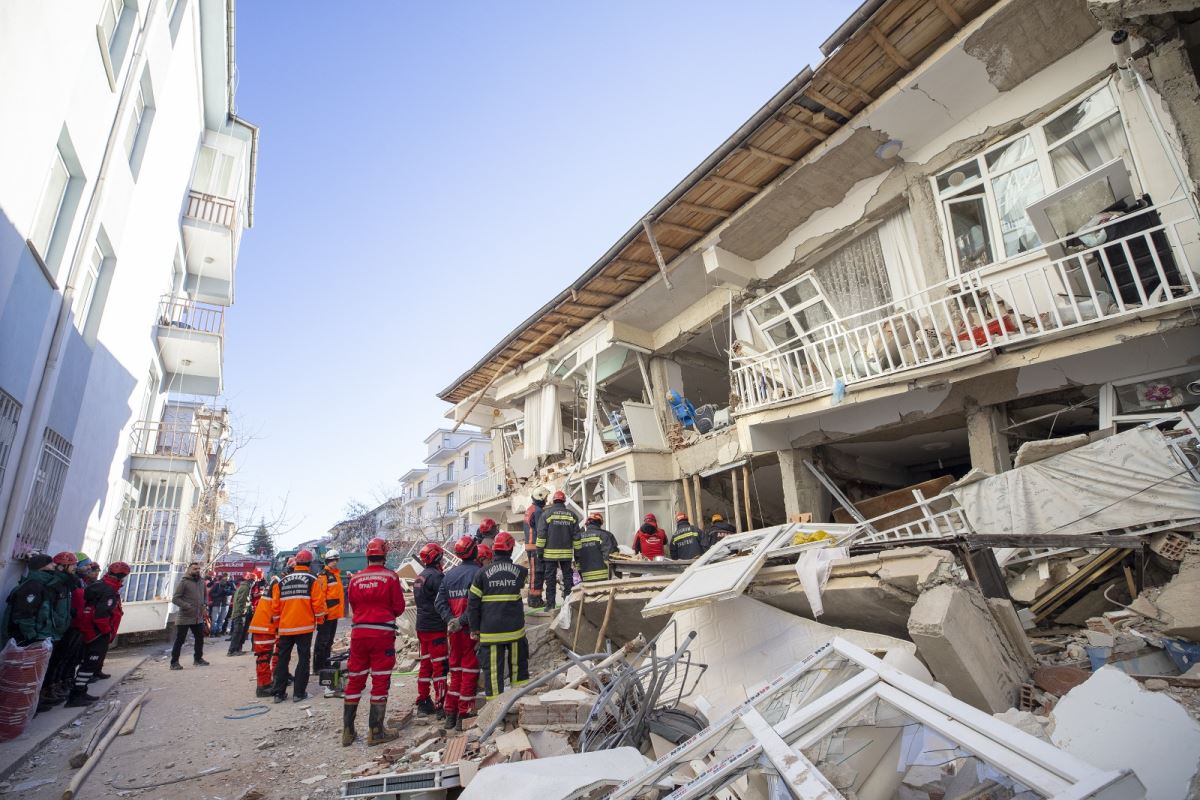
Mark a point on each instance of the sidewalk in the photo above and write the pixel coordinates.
(44, 726)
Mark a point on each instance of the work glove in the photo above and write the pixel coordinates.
(475, 636)
(453, 625)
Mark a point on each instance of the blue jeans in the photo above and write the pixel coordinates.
(219, 613)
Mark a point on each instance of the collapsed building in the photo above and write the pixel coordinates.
(924, 329)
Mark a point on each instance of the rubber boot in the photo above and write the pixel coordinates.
(79, 697)
(425, 707)
(451, 720)
(349, 735)
(378, 733)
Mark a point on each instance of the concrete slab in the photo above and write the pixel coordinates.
(554, 777)
(1180, 599)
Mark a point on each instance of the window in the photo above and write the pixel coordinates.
(799, 307)
(983, 200)
(466, 461)
(50, 207)
(175, 14)
(10, 413)
(109, 15)
(450, 501)
(114, 32)
(147, 534)
(45, 495)
(214, 172)
(420, 488)
(450, 471)
(141, 118)
(86, 294)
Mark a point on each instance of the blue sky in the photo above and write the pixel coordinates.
(429, 175)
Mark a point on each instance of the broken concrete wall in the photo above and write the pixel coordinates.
(957, 636)
(1180, 599)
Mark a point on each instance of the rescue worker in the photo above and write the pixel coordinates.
(536, 505)
(685, 544)
(451, 605)
(334, 590)
(650, 540)
(60, 672)
(557, 528)
(485, 557)
(431, 634)
(593, 545)
(35, 612)
(486, 531)
(264, 627)
(498, 621)
(101, 621)
(717, 530)
(239, 615)
(298, 604)
(376, 598)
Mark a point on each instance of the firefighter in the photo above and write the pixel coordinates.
(264, 628)
(486, 556)
(498, 620)
(685, 544)
(451, 605)
(557, 528)
(717, 530)
(376, 598)
(431, 634)
(101, 619)
(593, 546)
(298, 604)
(650, 540)
(536, 505)
(334, 590)
(486, 531)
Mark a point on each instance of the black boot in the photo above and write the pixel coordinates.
(378, 732)
(79, 698)
(263, 691)
(349, 711)
(451, 721)
(425, 707)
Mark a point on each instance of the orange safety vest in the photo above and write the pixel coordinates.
(335, 593)
(298, 602)
(264, 623)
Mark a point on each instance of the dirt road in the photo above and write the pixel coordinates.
(183, 731)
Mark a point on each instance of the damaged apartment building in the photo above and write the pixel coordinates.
(973, 226)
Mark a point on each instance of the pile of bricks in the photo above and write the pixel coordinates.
(561, 710)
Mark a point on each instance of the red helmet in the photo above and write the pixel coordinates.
(304, 557)
(487, 526)
(559, 497)
(430, 554)
(118, 568)
(291, 562)
(680, 517)
(248, 576)
(485, 553)
(595, 516)
(66, 558)
(653, 520)
(504, 543)
(258, 573)
(377, 547)
(465, 547)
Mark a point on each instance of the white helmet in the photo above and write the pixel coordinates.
(541, 493)
(330, 555)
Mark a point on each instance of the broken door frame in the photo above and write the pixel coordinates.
(1025, 758)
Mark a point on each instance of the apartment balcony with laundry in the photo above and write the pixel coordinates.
(214, 215)
(1113, 270)
(191, 339)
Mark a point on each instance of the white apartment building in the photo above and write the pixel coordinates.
(126, 180)
(973, 224)
(432, 496)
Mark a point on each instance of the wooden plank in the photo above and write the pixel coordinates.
(1083, 540)
(606, 296)
(769, 156)
(888, 48)
(801, 125)
(658, 256)
(683, 205)
(846, 86)
(497, 372)
(949, 13)
(629, 263)
(734, 184)
(828, 102)
(684, 229)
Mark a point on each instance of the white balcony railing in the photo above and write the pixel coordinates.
(180, 313)
(212, 209)
(1121, 277)
(480, 488)
(171, 440)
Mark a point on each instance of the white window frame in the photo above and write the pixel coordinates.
(93, 266)
(10, 416)
(42, 241)
(1109, 405)
(1041, 147)
(792, 314)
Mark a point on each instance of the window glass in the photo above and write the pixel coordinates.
(1009, 155)
(87, 285)
(969, 229)
(799, 294)
(1082, 115)
(781, 333)
(618, 484)
(1014, 191)
(135, 121)
(214, 172)
(958, 178)
(1089, 150)
(109, 14)
(767, 310)
(1160, 394)
(52, 200)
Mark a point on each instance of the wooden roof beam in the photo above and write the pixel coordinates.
(769, 156)
(732, 184)
(889, 49)
(684, 229)
(801, 125)
(847, 86)
(829, 102)
(629, 263)
(949, 13)
(712, 211)
(608, 296)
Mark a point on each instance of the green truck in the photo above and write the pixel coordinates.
(348, 562)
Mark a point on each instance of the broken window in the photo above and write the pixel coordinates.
(855, 279)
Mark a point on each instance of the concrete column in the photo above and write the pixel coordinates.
(802, 492)
(665, 374)
(985, 437)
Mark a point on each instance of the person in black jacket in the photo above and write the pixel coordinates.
(431, 634)
(557, 528)
(498, 621)
(717, 530)
(593, 546)
(537, 505)
(685, 544)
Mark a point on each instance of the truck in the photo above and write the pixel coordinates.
(348, 562)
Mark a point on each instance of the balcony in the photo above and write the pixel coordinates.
(1122, 278)
(167, 447)
(415, 500)
(491, 485)
(211, 233)
(191, 339)
(442, 482)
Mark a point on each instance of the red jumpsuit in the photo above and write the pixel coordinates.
(376, 599)
(451, 604)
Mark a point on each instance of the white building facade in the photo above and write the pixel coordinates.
(433, 496)
(126, 187)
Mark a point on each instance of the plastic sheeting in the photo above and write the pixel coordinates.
(543, 423)
(21, 672)
(1133, 478)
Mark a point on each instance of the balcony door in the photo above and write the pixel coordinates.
(215, 172)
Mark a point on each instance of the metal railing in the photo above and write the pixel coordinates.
(150, 438)
(1119, 277)
(183, 314)
(212, 209)
(491, 484)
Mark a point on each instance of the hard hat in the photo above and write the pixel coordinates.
(595, 516)
(560, 497)
(430, 554)
(541, 493)
(304, 557)
(291, 562)
(504, 542)
(248, 576)
(258, 572)
(465, 547)
(332, 555)
(717, 518)
(119, 568)
(66, 558)
(377, 547)
(680, 517)
(82, 557)
(485, 553)
(487, 526)
(653, 520)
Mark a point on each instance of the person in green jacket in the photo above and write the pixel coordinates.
(37, 608)
(240, 615)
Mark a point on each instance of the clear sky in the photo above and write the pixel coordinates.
(429, 175)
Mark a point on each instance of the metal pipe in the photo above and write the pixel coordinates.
(1161, 135)
(533, 684)
(850, 26)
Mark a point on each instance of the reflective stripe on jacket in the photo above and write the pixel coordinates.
(298, 602)
(589, 553)
(264, 622)
(335, 593)
(495, 609)
(556, 530)
(685, 544)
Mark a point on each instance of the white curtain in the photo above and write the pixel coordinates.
(1088, 150)
(898, 241)
(543, 423)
